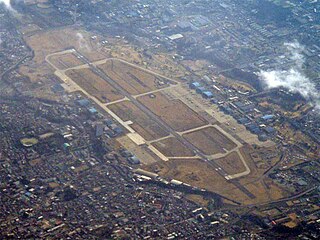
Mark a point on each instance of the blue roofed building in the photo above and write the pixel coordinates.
(83, 102)
(254, 128)
(57, 88)
(243, 120)
(92, 110)
(267, 117)
(118, 130)
(201, 90)
(194, 85)
(185, 25)
(66, 145)
(263, 137)
(134, 160)
(270, 130)
(99, 129)
(226, 109)
(207, 94)
(108, 122)
(244, 107)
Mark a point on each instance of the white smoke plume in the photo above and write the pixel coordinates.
(293, 78)
(6, 3)
(82, 42)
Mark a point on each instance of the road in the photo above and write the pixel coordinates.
(162, 124)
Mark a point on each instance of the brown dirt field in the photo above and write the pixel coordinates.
(258, 189)
(53, 41)
(210, 140)
(254, 185)
(192, 171)
(65, 61)
(29, 28)
(134, 80)
(262, 193)
(48, 42)
(232, 163)
(172, 147)
(94, 85)
(198, 173)
(174, 112)
(275, 191)
(148, 129)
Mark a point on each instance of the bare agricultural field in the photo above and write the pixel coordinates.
(172, 147)
(65, 61)
(133, 79)
(231, 163)
(94, 85)
(174, 112)
(147, 128)
(210, 141)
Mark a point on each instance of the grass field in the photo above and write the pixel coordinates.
(174, 112)
(210, 141)
(29, 142)
(94, 84)
(147, 128)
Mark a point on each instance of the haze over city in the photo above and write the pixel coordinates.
(145, 119)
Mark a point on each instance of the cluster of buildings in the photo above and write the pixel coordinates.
(12, 48)
(310, 124)
(286, 216)
(73, 183)
(62, 186)
(103, 126)
(238, 104)
(238, 38)
(299, 177)
(61, 174)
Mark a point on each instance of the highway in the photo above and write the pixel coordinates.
(163, 124)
